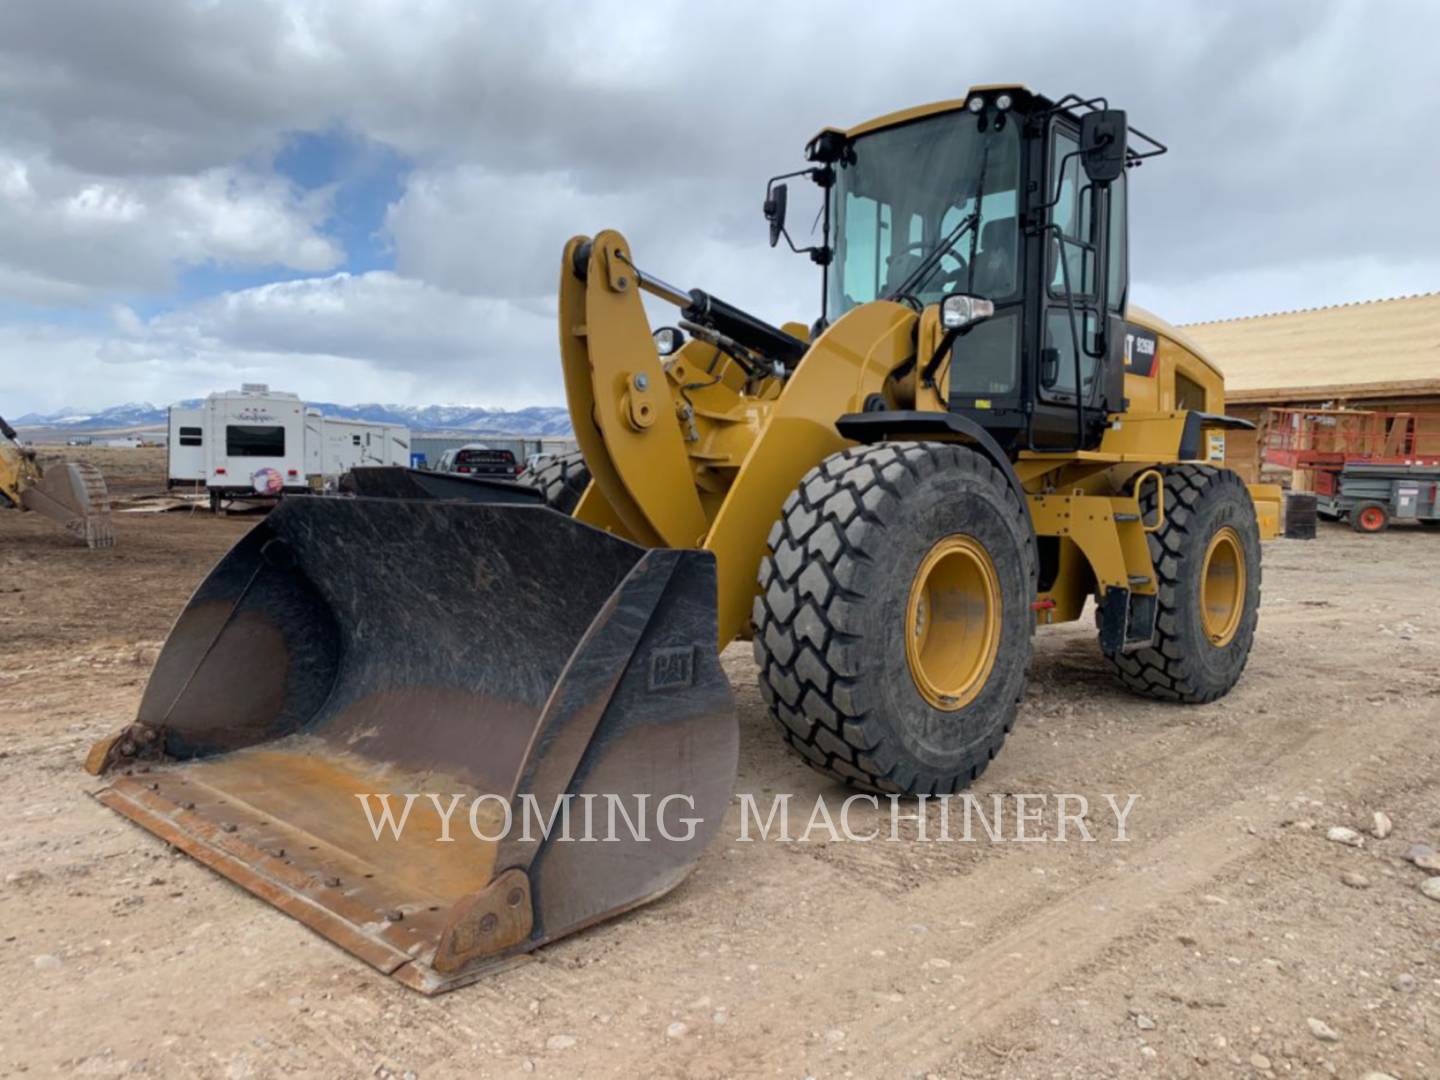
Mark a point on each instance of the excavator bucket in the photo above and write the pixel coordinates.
(539, 705)
(74, 495)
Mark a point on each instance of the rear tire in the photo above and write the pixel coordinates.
(1370, 517)
(856, 548)
(562, 480)
(1203, 636)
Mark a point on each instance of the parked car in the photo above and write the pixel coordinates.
(477, 459)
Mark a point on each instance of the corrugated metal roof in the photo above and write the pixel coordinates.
(1371, 348)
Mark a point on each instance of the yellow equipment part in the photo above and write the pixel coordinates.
(1268, 499)
(646, 476)
(72, 494)
(952, 622)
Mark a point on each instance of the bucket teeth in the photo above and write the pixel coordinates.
(74, 495)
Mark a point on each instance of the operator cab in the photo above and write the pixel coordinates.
(1009, 199)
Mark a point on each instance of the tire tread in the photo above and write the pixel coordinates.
(807, 617)
(561, 480)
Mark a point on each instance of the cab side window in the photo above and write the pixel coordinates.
(1070, 336)
(867, 243)
(1117, 248)
(1069, 261)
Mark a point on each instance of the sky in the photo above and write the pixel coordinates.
(365, 200)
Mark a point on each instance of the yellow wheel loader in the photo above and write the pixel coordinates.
(978, 436)
(72, 493)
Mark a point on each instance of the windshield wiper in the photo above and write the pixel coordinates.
(917, 277)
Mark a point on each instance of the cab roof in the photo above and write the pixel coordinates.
(918, 112)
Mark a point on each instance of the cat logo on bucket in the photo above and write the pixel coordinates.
(672, 667)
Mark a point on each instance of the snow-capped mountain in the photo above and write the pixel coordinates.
(537, 420)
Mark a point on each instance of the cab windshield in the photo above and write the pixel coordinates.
(903, 191)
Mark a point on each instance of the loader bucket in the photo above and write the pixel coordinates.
(506, 659)
(74, 495)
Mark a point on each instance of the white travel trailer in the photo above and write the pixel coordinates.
(257, 443)
(334, 446)
(254, 441)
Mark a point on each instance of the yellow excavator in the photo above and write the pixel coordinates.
(978, 437)
(71, 493)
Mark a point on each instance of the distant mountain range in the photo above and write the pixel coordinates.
(538, 420)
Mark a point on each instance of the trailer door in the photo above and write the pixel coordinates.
(185, 452)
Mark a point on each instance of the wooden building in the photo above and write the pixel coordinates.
(1378, 354)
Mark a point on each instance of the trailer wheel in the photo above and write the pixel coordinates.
(893, 625)
(1207, 559)
(562, 480)
(1370, 517)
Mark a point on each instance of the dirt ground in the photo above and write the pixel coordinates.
(1204, 946)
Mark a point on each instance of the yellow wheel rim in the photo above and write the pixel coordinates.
(952, 622)
(1222, 587)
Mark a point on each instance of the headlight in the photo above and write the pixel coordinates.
(962, 310)
(975, 104)
(668, 340)
(1003, 102)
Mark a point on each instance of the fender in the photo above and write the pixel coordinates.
(910, 425)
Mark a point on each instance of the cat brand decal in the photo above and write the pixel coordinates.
(1141, 348)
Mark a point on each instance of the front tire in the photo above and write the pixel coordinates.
(1207, 559)
(893, 626)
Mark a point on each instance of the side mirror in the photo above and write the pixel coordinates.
(1102, 145)
(668, 340)
(959, 310)
(775, 201)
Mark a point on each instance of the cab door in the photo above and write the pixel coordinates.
(1085, 238)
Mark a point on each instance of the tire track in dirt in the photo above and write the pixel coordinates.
(1047, 939)
(1052, 941)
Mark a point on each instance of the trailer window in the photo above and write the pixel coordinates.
(252, 440)
(191, 436)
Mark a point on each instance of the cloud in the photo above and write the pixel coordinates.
(152, 87)
(477, 231)
(140, 140)
(67, 237)
(1267, 289)
(351, 337)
